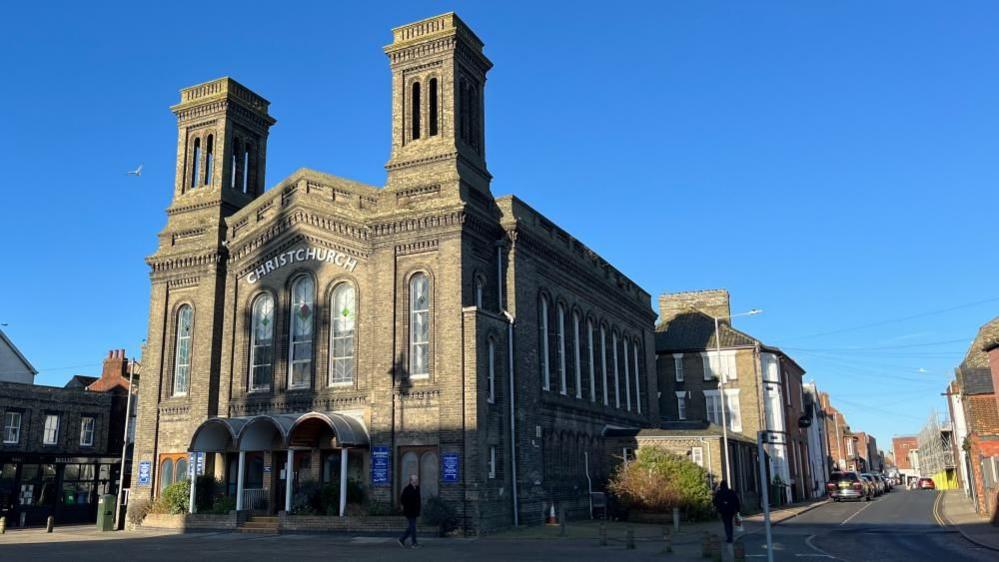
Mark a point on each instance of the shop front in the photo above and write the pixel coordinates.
(33, 487)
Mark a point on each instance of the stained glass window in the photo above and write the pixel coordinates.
(182, 356)
(262, 343)
(342, 335)
(302, 305)
(419, 325)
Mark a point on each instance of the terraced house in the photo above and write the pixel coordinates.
(328, 330)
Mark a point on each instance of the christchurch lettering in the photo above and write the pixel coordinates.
(301, 255)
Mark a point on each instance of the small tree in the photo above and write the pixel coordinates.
(658, 481)
(176, 497)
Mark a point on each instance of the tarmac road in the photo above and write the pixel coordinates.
(902, 525)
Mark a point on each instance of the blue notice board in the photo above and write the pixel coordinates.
(380, 472)
(449, 467)
(145, 468)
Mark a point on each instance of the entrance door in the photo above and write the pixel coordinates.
(424, 463)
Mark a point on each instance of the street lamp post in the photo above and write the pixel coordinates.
(721, 386)
(124, 444)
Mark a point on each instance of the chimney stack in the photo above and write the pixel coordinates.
(713, 302)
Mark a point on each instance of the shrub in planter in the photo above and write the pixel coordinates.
(137, 511)
(438, 513)
(657, 481)
(222, 505)
(175, 498)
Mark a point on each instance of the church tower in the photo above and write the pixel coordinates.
(438, 77)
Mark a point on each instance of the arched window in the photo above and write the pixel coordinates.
(182, 350)
(463, 109)
(166, 474)
(617, 376)
(300, 348)
(577, 367)
(182, 470)
(246, 168)
(627, 373)
(416, 110)
(638, 379)
(433, 107)
(262, 343)
(491, 366)
(560, 311)
(209, 159)
(419, 325)
(473, 116)
(589, 350)
(343, 315)
(196, 163)
(234, 166)
(603, 363)
(480, 285)
(545, 367)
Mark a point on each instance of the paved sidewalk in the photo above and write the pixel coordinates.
(957, 511)
(754, 523)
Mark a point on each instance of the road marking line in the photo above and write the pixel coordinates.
(936, 509)
(808, 541)
(847, 520)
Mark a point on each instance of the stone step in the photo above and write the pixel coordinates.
(258, 530)
(267, 519)
(260, 525)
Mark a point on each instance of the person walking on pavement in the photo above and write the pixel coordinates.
(410, 501)
(727, 503)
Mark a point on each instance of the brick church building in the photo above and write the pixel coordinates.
(360, 332)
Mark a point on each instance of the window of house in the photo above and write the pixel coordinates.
(182, 350)
(262, 343)
(545, 367)
(492, 461)
(87, 431)
(491, 365)
(577, 367)
(300, 345)
(715, 368)
(589, 352)
(419, 325)
(50, 436)
(733, 410)
(678, 367)
(12, 427)
(166, 473)
(712, 404)
(560, 311)
(681, 405)
(342, 335)
(181, 470)
(697, 455)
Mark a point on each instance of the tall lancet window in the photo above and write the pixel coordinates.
(196, 163)
(433, 107)
(300, 348)
(262, 343)
(234, 167)
(419, 326)
(247, 182)
(182, 350)
(342, 334)
(209, 159)
(415, 113)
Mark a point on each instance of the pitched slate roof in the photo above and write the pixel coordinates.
(974, 374)
(695, 330)
(80, 382)
(17, 352)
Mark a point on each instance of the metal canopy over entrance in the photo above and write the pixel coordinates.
(270, 432)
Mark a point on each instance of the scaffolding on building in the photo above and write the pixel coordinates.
(936, 453)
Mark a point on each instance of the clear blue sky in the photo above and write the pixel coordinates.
(833, 163)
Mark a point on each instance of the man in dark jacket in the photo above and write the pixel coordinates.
(410, 501)
(727, 503)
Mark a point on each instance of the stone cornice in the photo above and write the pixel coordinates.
(159, 264)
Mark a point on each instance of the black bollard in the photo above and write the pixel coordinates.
(49, 523)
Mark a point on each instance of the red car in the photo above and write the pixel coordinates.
(926, 484)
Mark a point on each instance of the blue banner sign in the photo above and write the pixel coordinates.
(380, 472)
(449, 467)
(145, 470)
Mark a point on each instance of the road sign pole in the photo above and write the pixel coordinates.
(765, 494)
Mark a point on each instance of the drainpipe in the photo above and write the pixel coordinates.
(513, 421)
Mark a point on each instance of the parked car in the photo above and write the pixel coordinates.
(848, 486)
(926, 484)
(872, 483)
